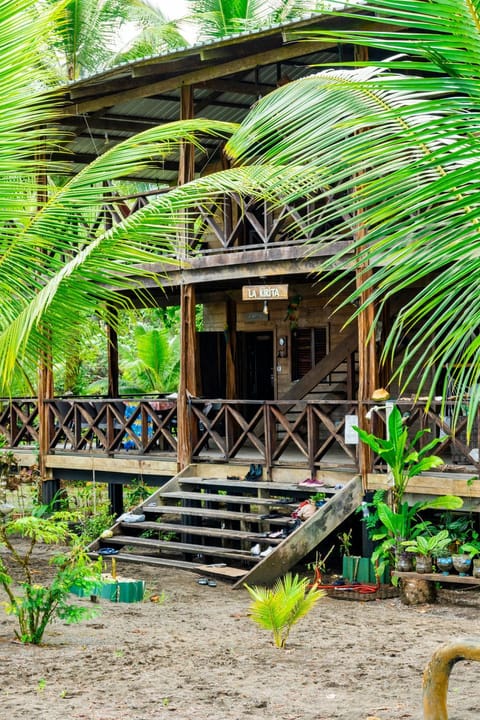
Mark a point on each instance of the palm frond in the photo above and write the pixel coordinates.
(397, 154)
(279, 608)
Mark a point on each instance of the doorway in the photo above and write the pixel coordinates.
(256, 371)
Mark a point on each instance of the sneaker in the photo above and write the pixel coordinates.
(132, 518)
(256, 550)
(267, 552)
(278, 534)
(311, 482)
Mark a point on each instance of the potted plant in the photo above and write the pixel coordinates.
(462, 563)
(472, 549)
(395, 528)
(319, 499)
(461, 533)
(425, 547)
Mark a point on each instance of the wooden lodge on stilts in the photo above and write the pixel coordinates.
(270, 388)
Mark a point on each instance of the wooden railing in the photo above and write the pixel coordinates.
(307, 434)
(456, 448)
(19, 422)
(113, 425)
(231, 223)
(237, 222)
(275, 432)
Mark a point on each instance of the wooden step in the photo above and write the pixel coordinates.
(232, 499)
(308, 535)
(218, 570)
(190, 548)
(150, 560)
(202, 530)
(275, 488)
(209, 513)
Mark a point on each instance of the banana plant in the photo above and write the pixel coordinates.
(404, 460)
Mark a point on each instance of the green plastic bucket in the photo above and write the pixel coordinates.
(119, 590)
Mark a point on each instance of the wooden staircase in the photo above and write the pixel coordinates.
(210, 525)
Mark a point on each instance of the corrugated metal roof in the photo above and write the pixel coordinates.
(228, 76)
(196, 47)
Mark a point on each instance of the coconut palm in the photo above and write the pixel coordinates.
(218, 18)
(89, 36)
(395, 150)
(57, 266)
(394, 153)
(154, 365)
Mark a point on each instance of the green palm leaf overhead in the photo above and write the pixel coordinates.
(56, 265)
(394, 150)
(219, 18)
(89, 36)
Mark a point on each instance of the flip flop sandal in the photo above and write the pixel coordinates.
(108, 551)
(202, 581)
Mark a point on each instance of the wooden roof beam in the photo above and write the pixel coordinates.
(203, 74)
(114, 124)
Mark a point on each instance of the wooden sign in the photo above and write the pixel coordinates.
(265, 292)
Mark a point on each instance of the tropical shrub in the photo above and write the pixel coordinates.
(36, 604)
(405, 525)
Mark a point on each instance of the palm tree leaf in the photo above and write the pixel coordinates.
(75, 269)
(401, 152)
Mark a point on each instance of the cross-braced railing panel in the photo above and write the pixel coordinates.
(269, 432)
(334, 432)
(456, 447)
(237, 222)
(19, 421)
(113, 425)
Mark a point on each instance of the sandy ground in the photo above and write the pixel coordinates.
(198, 655)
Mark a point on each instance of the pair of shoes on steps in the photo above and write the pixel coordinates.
(257, 551)
(311, 482)
(280, 534)
(255, 473)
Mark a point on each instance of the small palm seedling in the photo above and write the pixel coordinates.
(277, 609)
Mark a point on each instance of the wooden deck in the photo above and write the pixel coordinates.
(114, 441)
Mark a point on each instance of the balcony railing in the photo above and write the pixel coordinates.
(272, 433)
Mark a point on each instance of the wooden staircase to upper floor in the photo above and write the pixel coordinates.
(210, 524)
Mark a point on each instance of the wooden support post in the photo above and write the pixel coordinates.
(367, 354)
(112, 351)
(186, 165)
(188, 386)
(231, 350)
(45, 392)
(45, 372)
(188, 383)
(115, 496)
